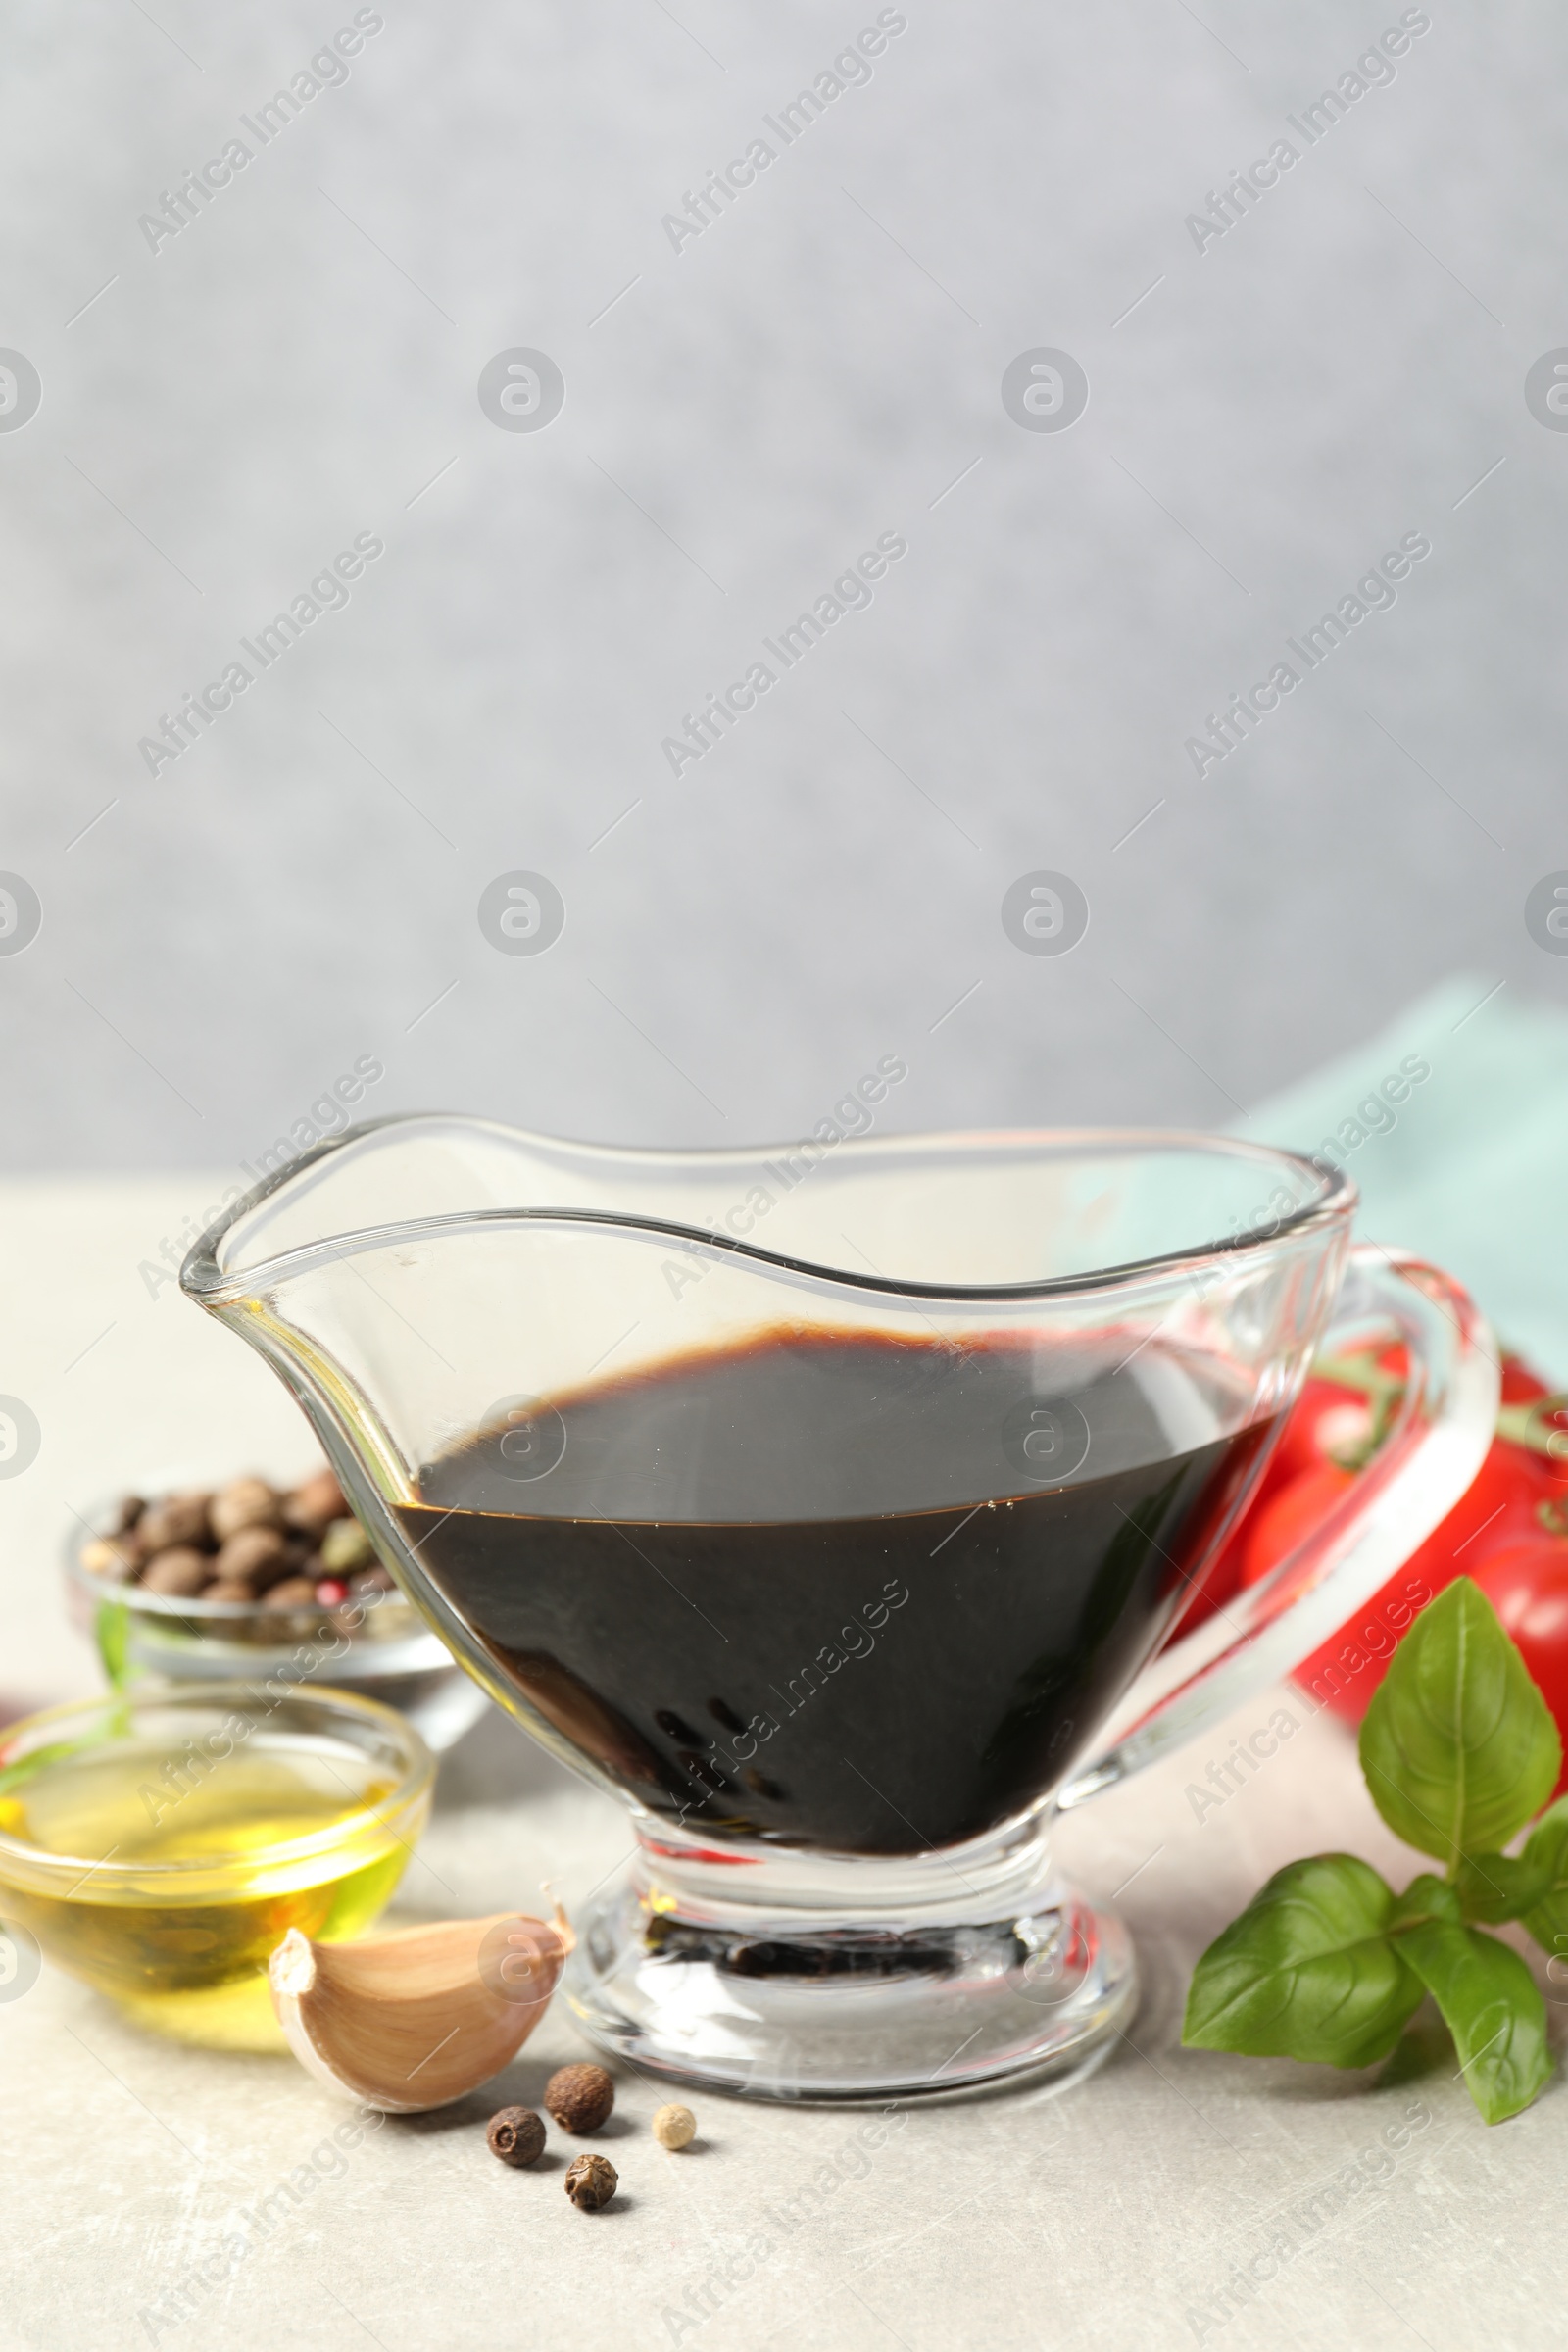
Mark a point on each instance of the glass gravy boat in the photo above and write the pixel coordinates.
(837, 1507)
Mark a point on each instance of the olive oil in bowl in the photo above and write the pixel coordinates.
(161, 1847)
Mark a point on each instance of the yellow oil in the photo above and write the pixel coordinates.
(186, 1951)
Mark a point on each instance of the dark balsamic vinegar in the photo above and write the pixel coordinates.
(854, 1594)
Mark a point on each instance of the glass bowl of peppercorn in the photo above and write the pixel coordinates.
(250, 1581)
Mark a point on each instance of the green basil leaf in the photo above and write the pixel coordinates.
(1546, 1915)
(1492, 2007)
(1531, 1885)
(1458, 1746)
(1499, 1886)
(112, 1629)
(1307, 1971)
(1425, 2045)
(1550, 1836)
(1424, 1900)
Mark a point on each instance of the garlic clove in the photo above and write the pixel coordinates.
(417, 2018)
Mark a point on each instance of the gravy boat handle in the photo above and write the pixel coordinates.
(1437, 1442)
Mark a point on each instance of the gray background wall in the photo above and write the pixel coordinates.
(818, 367)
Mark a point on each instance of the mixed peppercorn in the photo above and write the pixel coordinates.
(248, 1544)
(579, 2099)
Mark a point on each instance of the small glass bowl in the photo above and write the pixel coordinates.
(376, 1644)
(161, 1844)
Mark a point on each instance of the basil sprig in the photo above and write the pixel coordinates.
(1459, 1750)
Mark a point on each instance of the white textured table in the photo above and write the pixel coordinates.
(1172, 2198)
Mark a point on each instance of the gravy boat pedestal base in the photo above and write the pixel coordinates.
(951, 1973)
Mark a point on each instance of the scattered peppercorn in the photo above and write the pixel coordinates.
(591, 2182)
(674, 2127)
(579, 2097)
(516, 2135)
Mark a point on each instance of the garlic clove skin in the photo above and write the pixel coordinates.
(415, 2018)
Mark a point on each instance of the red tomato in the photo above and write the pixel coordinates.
(1521, 1388)
(1324, 1414)
(1291, 1515)
(1302, 1481)
(1222, 1579)
(1324, 1417)
(1498, 1506)
(1519, 1383)
(1497, 1510)
(1527, 1584)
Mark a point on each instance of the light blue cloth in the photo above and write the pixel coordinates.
(1472, 1173)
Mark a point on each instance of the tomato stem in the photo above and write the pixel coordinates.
(1357, 1372)
(1540, 1424)
(1383, 1391)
